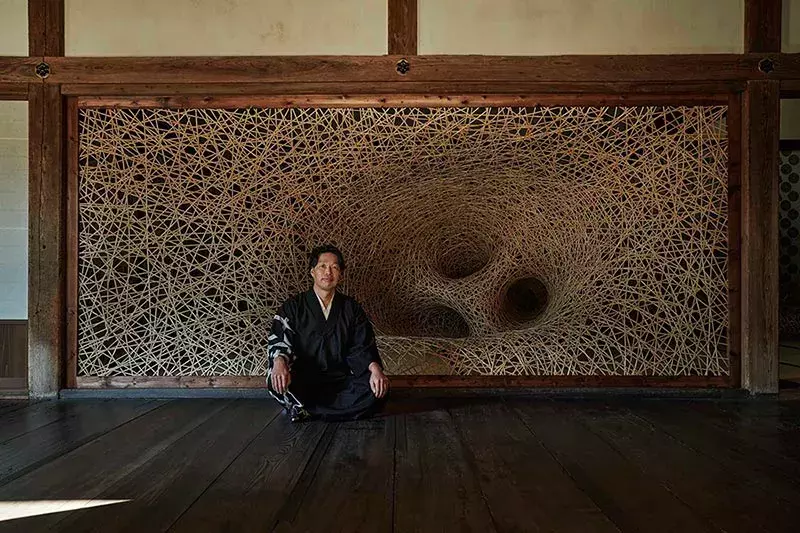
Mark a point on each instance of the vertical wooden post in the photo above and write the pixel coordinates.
(402, 25)
(735, 238)
(759, 265)
(759, 245)
(762, 26)
(46, 218)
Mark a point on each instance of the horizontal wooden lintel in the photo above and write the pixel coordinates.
(394, 100)
(438, 89)
(14, 91)
(428, 68)
(141, 382)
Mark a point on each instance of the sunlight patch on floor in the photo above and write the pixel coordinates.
(23, 509)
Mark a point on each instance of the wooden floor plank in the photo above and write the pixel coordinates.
(633, 500)
(775, 473)
(435, 489)
(38, 415)
(251, 492)
(87, 471)
(773, 427)
(352, 487)
(35, 448)
(163, 488)
(525, 487)
(455, 465)
(729, 499)
(8, 406)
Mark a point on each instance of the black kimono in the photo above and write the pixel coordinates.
(328, 359)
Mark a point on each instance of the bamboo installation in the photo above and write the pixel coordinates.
(481, 240)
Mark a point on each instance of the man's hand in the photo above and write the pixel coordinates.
(281, 377)
(378, 381)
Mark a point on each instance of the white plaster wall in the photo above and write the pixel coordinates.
(790, 118)
(790, 26)
(13, 27)
(13, 210)
(550, 27)
(225, 27)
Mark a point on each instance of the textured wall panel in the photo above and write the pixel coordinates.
(545, 27)
(789, 214)
(548, 240)
(224, 27)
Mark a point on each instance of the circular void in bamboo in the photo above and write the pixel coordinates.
(486, 241)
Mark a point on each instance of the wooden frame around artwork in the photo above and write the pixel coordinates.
(118, 96)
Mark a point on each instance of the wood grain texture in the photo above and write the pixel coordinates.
(735, 238)
(504, 454)
(79, 473)
(170, 483)
(87, 422)
(560, 381)
(539, 466)
(402, 27)
(624, 493)
(657, 453)
(144, 382)
(14, 386)
(14, 70)
(14, 349)
(427, 89)
(13, 91)
(435, 487)
(764, 465)
(298, 69)
(46, 225)
(359, 459)
(46, 27)
(762, 25)
(269, 468)
(72, 152)
(759, 264)
(394, 100)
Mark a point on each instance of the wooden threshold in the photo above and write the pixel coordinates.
(144, 382)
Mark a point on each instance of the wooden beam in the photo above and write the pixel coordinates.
(14, 70)
(431, 69)
(735, 238)
(46, 27)
(13, 91)
(396, 100)
(762, 26)
(45, 241)
(213, 90)
(144, 382)
(72, 153)
(46, 213)
(402, 26)
(698, 382)
(759, 264)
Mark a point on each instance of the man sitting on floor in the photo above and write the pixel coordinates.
(323, 359)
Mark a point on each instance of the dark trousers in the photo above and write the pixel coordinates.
(331, 397)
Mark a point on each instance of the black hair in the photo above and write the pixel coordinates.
(313, 257)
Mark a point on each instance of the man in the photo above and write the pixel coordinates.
(323, 360)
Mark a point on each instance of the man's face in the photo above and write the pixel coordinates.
(327, 272)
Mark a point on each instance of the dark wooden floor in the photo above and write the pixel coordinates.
(479, 465)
